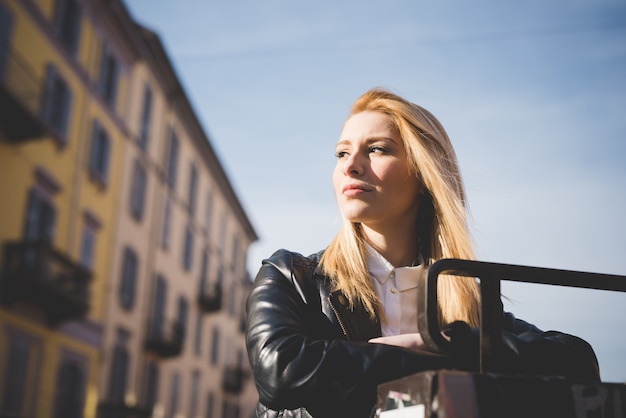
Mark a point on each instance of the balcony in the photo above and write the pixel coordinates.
(35, 272)
(113, 409)
(165, 340)
(210, 297)
(232, 379)
(20, 94)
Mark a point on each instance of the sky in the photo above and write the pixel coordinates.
(532, 94)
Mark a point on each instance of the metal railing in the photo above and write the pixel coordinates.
(165, 338)
(210, 296)
(490, 275)
(36, 271)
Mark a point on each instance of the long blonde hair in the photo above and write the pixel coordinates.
(442, 230)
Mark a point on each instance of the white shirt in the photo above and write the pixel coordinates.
(397, 290)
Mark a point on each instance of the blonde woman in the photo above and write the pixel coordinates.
(324, 330)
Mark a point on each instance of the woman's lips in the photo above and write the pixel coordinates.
(353, 190)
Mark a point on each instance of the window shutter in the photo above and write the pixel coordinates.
(138, 190)
(15, 378)
(152, 384)
(93, 148)
(48, 96)
(70, 390)
(182, 315)
(106, 152)
(33, 216)
(49, 221)
(67, 19)
(145, 118)
(159, 307)
(117, 382)
(172, 159)
(73, 26)
(6, 28)
(129, 278)
(65, 103)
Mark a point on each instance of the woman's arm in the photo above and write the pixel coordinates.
(298, 358)
(527, 350)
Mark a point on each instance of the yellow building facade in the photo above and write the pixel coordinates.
(123, 243)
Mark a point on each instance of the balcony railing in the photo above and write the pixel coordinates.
(21, 91)
(113, 409)
(232, 379)
(35, 272)
(210, 297)
(166, 339)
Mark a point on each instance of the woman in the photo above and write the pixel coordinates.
(324, 330)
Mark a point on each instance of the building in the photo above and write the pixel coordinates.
(123, 242)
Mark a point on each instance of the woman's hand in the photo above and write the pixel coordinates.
(413, 340)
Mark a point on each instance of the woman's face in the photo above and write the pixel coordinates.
(372, 180)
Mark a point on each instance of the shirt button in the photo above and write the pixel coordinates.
(393, 290)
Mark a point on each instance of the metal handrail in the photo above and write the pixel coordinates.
(490, 275)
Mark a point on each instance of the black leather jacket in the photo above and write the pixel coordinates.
(310, 356)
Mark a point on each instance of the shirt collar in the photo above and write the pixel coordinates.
(377, 265)
(381, 270)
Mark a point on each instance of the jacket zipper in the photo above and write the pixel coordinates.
(341, 324)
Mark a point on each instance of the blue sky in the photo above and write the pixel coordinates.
(533, 95)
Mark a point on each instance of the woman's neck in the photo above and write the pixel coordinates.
(398, 246)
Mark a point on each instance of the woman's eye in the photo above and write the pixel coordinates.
(340, 154)
(379, 150)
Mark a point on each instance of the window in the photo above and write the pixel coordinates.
(198, 341)
(88, 241)
(15, 384)
(208, 211)
(56, 104)
(223, 225)
(236, 246)
(230, 409)
(158, 309)
(67, 24)
(99, 153)
(6, 28)
(87, 246)
(144, 129)
(231, 302)
(70, 390)
(109, 69)
(220, 277)
(165, 230)
(209, 405)
(129, 278)
(151, 384)
(40, 217)
(204, 269)
(174, 390)
(119, 369)
(193, 186)
(183, 310)
(138, 190)
(215, 345)
(172, 160)
(188, 248)
(195, 388)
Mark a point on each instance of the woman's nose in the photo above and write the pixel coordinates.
(353, 166)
